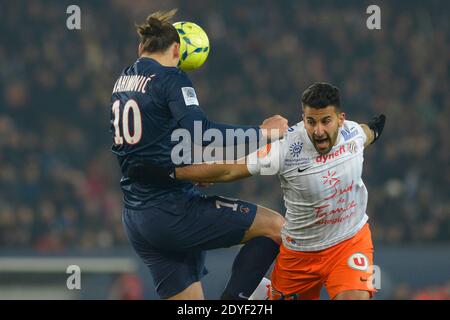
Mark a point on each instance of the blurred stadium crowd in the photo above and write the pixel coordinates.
(59, 182)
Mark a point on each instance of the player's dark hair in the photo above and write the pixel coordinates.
(157, 33)
(321, 95)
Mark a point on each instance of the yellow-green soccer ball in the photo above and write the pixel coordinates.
(194, 45)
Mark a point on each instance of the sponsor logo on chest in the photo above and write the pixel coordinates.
(350, 147)
(324, 158)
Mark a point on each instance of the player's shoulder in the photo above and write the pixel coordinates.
(165, 78)
(174, 77)
(350, 124)
(351, 129)
(294, 131)
(293, 138)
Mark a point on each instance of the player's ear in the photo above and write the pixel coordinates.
(176, 50)
(341, 118)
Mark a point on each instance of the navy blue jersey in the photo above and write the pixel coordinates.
(146, 97)
(149, 101)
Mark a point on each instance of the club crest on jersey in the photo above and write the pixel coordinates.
(349, 133)
(352, 147)
(296, 149)
(244, 209)
(358, 261)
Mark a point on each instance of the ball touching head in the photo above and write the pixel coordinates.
(194, 45)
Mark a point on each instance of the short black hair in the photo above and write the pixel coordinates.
(321, 95)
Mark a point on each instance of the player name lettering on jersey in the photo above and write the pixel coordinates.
(132, 83)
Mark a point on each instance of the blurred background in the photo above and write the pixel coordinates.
(60, 201)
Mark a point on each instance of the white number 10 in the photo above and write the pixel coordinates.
(137, 122)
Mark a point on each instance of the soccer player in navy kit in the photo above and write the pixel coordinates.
(171, 225)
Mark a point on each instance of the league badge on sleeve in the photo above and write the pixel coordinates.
(189, 95)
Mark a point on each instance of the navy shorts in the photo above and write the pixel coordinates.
(171, 238)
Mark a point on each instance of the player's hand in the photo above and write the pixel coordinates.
(377, 126)
(274, 127)
(145, 172)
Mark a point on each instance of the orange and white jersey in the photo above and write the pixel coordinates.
(324, 195)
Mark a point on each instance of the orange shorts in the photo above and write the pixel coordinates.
(342, 267)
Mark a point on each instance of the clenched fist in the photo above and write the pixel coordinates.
(274, 127)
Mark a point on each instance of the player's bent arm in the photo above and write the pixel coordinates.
(213, 172)
(374, 128)
(369, 134)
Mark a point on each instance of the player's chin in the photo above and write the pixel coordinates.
(323, 146)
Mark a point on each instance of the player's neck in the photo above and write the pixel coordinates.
(162, 59)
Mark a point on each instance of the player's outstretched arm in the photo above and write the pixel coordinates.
(373, 129)
(213, 172)
(146, 172)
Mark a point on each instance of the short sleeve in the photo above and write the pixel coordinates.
(353, 130)
(363, 134)
(267, 160)
(180, 94)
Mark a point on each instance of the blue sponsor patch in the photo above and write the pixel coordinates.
(349, 133)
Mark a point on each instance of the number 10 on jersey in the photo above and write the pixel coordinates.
(132, 106)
